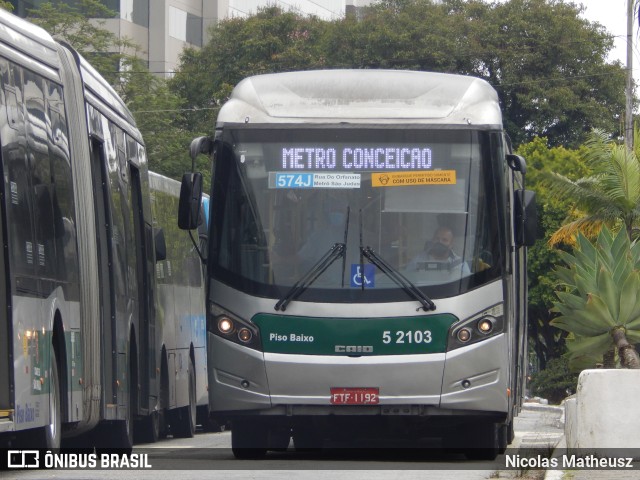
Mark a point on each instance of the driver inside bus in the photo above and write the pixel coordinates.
(438, 255)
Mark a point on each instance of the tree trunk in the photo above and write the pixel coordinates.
(609, 358)
(629, 357)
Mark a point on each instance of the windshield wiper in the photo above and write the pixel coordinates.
(336, 251)
(402, 281)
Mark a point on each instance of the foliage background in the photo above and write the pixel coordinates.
(547, 64)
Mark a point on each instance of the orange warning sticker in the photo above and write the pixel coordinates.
(406, 179)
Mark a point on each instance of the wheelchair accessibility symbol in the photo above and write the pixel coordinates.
(357, 277)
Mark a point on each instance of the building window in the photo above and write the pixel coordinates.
(185, 26)
(135, 11)
(194, 30)
(178, 23)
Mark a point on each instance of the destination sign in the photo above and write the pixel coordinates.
(314, 180)
(380, 158)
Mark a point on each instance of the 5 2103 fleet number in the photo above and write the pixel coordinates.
(408, 336)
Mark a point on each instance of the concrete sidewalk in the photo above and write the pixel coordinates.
(592, 474)
(560, 450)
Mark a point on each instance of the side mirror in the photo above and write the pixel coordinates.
(190, 201)
(200, 145)
(517, 163)
(161, 245)
(526, 218)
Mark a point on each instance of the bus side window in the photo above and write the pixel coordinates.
(62, 191)
(16, 174)
(40, 172)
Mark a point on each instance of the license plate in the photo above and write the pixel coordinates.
(355, 396)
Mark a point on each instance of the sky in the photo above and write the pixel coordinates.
(612, 14)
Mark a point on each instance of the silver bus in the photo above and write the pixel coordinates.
(366, 261)
(184, 399)
(80, 335)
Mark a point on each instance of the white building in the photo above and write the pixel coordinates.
(163, 28)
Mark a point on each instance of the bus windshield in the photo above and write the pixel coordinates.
(423, 200)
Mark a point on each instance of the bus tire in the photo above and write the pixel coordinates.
(485, 442)
(148, 429)
(208, 423)
(118, 435)
(249, 438)
(505, 436)
(122, 433)
(50, 436)
(184, 423)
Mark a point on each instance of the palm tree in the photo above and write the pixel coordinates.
(609, 196)
(600, 302)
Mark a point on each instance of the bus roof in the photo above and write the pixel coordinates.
(29, 39)
(39, 47)
(363, 96)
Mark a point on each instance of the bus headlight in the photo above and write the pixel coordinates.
(477, 328)
(245, 335)
(485, 325)
(225, 325)
(231, 327)
(464, 335)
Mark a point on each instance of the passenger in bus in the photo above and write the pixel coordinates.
(438, 255)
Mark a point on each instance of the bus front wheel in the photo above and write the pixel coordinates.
(184, 421)
(249, 439)
(485, 442)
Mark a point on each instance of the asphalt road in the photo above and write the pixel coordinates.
(208, 455)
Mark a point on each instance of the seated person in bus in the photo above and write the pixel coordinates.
(438, 256)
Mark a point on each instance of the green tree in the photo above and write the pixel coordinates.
(542, 159)
(549, 66)
(546, 62)
(159, 118)
(270, 41)
(600, 302)
(6, 5)
(555, 382)
(610, 195)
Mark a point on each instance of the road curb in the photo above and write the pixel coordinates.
(561, 446)
(541, 407)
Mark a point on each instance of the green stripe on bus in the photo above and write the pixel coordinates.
(354, 336)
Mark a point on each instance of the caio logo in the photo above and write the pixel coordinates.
(23, 459)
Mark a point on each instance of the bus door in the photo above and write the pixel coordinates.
(145, 275)
(105, 274)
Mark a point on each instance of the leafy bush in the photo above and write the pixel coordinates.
(556, 382)
(599, 300)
